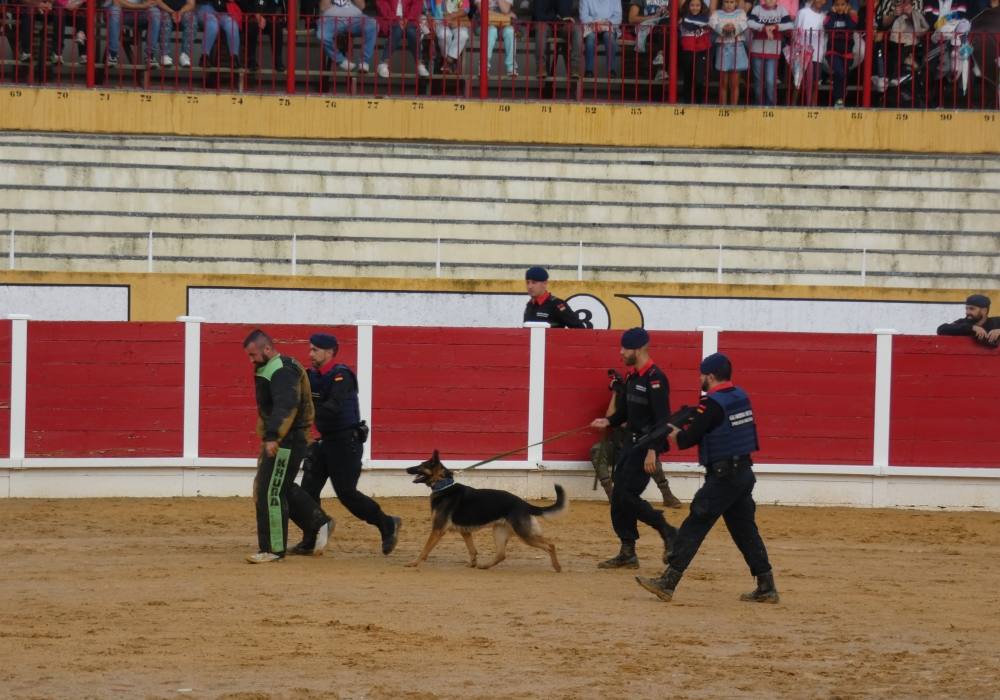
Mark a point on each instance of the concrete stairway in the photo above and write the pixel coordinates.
(79, 202)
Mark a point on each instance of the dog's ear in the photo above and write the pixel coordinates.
(435, 458)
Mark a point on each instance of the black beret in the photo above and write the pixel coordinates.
(537, 274)
(635, 338)
(713, 363)
(980, 300)
(324, 341)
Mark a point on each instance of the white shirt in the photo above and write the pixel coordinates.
(809, 31)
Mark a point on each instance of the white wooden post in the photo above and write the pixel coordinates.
(883, 396)
(536, 388)
(192, 383)
(18, 385)
(366, 367)
(709, 339)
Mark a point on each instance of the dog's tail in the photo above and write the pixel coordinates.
(557, 507)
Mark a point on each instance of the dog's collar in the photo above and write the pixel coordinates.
(442, 485)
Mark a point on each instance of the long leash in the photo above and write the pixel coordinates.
(557, 436)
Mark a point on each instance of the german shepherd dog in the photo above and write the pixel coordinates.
(458, 507)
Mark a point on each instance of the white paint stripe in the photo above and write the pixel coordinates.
(192, 383)
(18, 384)
(883, 394)
(366, 344)
(536, 389)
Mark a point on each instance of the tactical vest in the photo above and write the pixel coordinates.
(736, 435)
(350, 411)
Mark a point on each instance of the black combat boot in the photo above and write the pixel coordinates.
(669, 535)
(669, 499)
(625, 559)
(765, 591)
(307, 546)
(662, 587)
(608, 487)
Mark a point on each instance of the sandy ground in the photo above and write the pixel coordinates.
(151, 599)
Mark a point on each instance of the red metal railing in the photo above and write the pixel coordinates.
(489, 56)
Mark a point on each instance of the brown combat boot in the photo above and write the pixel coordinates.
(625, 559)
(765, 592)
(662, 587)
(608, 487)
(669, 499)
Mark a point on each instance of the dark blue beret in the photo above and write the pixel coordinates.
(324, 341)
(537, 274)
(983, 302)
(635, 338)
(713, 363)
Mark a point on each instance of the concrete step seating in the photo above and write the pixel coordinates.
(80, 202)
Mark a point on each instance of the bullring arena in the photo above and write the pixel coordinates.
(153, 213)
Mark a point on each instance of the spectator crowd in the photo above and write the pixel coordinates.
(729, 51)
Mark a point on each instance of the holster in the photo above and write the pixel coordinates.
(362, 432)
(724, 468)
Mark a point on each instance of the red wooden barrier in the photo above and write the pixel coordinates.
(812, 393)
(944, 407)
(105, 389)
(576, 381)
(463, 391)
(228, 415)
(5, 328)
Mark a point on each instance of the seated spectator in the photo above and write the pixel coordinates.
(729, 24)
(212, 16)
(399, 19)
(176, 12)
(451, 25)
(696, 44)
(137, 15)
(977, 322)
(651, 21)
(68, 14)
(768, 23)
(265, 17)
(500, 16)
(600, 18)
(841, 22)
(906, 29)
(346, 17)
(556, 18)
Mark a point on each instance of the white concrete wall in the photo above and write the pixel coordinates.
(65, 302)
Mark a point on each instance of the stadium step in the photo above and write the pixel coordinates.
(399, 209)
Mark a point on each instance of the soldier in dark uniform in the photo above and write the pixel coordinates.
(284, 414)
(545, 308)
(644, 404)
(723, 428)
(338, 455)
(977, 322)
(604, 454)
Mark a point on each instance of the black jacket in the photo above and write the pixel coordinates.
(963, 326)
(284, 400)
(553, 311)
(645, 404)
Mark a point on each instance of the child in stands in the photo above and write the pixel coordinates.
(696, 43)
(729, 24)
(769, 23)
(808, 48)
(841, 24)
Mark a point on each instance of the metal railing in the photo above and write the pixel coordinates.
(951, 66)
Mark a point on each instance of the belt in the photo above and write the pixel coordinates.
(725, 467)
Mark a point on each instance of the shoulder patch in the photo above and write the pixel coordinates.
(655, 384)
(338, 378)
(562, 307)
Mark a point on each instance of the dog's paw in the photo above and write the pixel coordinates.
(472, 564)
(412, 564)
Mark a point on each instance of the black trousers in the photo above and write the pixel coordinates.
(275, 28)
(628, 507)
(729, 497)
(340, 460)
(271, 487)
(694, 70)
